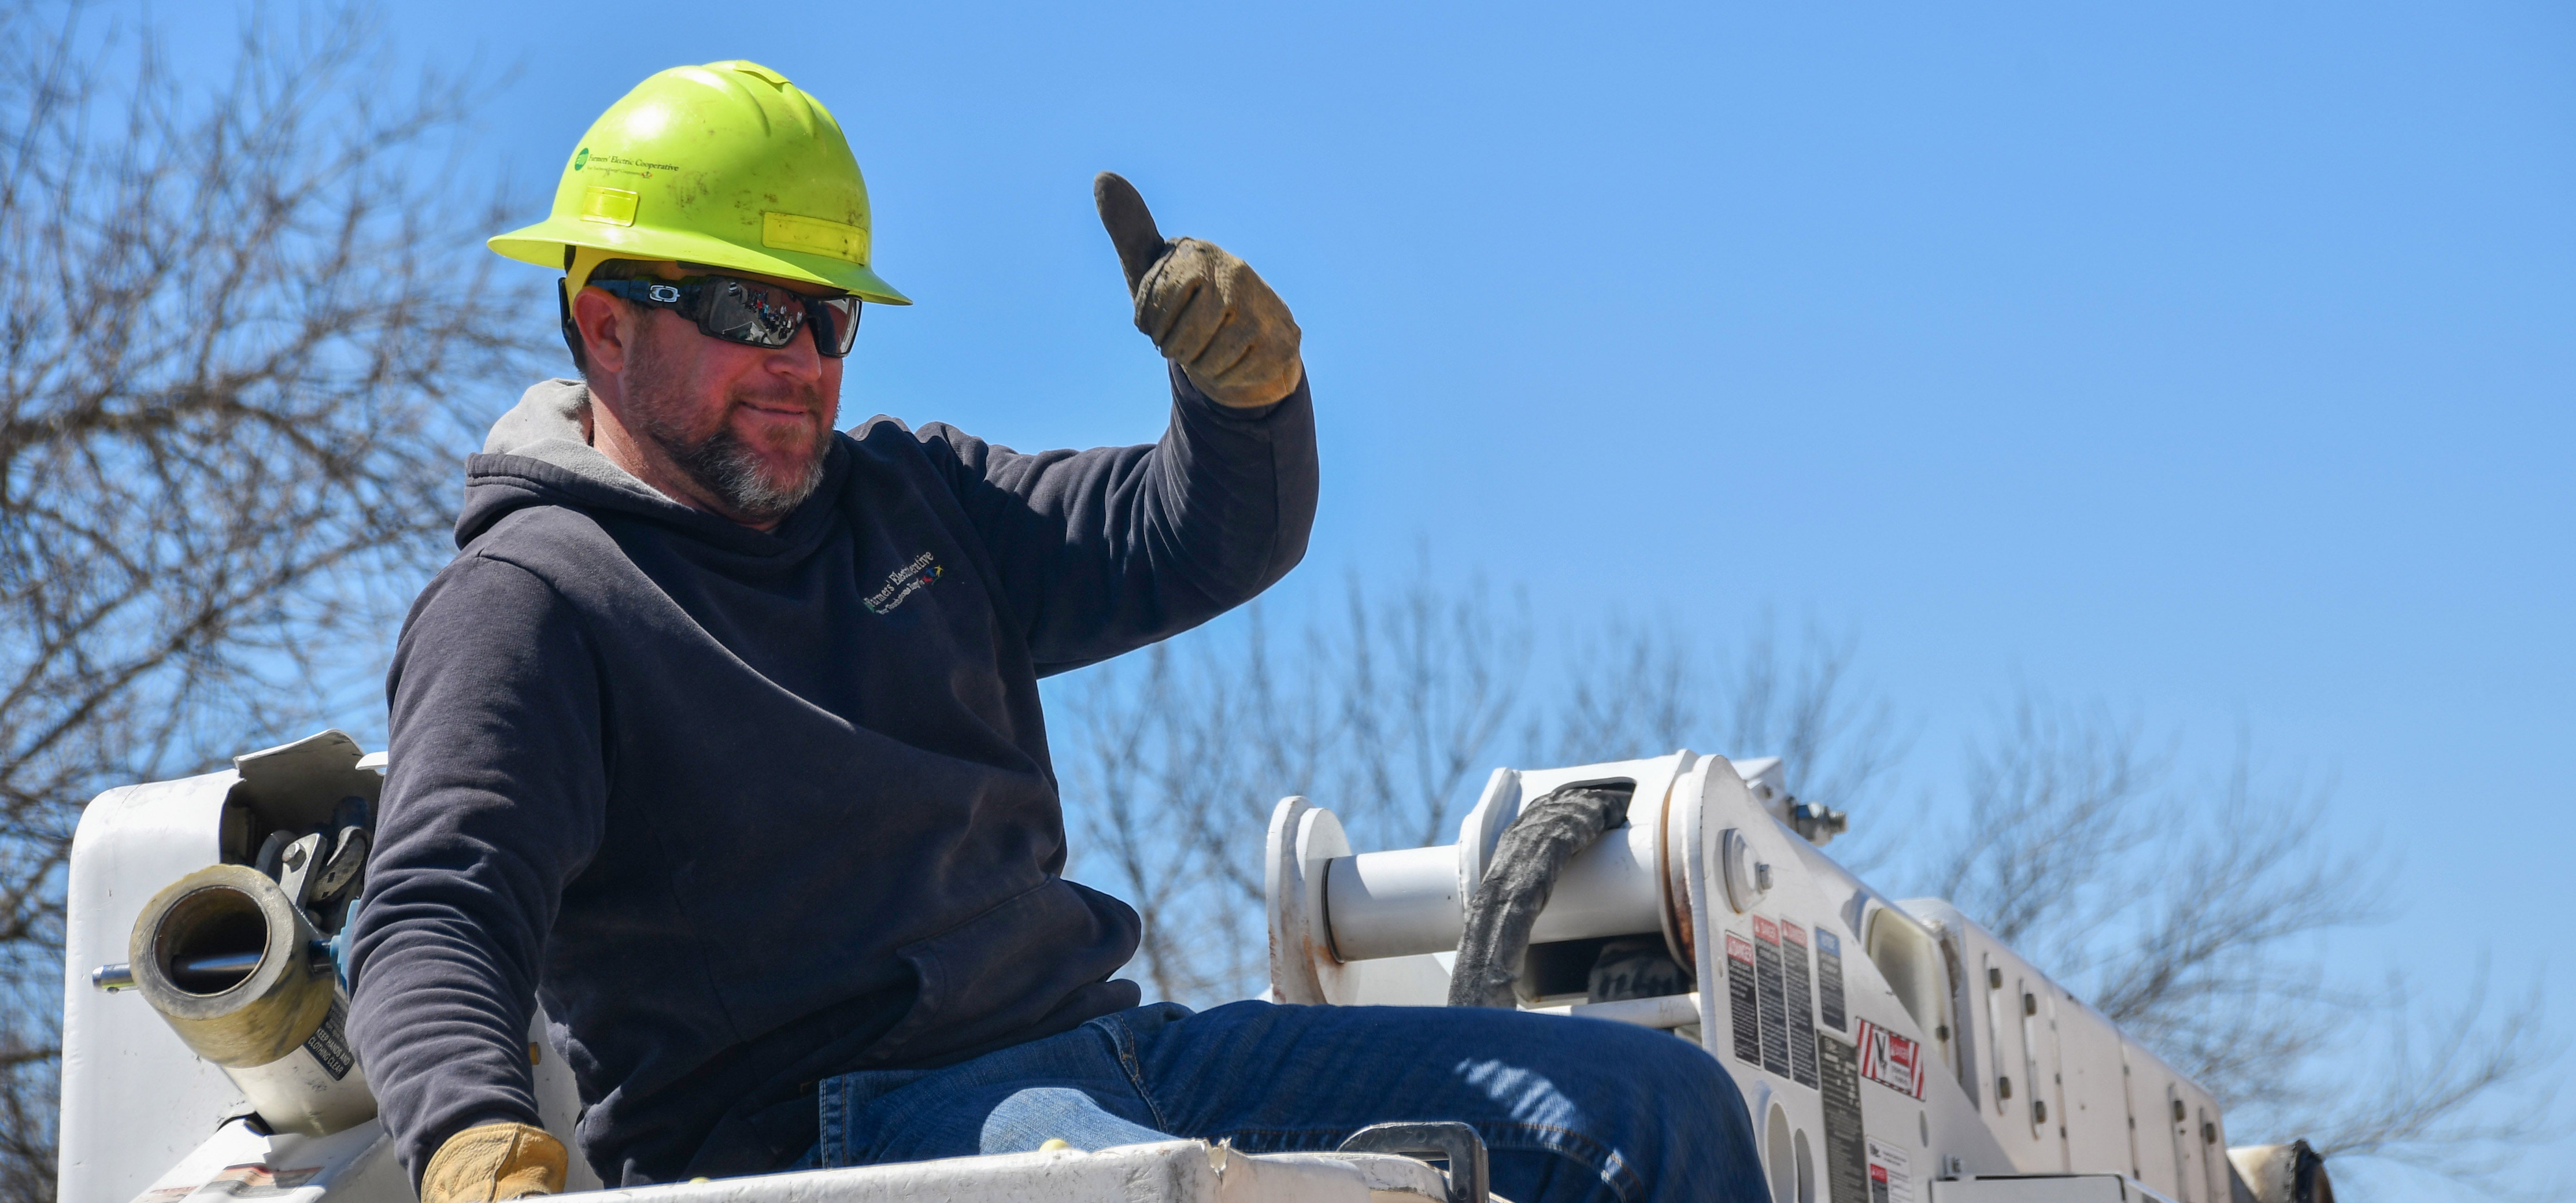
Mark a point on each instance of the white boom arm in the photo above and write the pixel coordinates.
(1888, 1049)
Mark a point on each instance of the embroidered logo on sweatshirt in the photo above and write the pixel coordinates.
(902, 583)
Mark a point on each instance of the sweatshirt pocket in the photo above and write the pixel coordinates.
(1006, 968)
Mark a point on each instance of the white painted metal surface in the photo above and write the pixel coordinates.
(135, 1099)
(2083, 1188)
(1666, 1012)
(1406, 902)
(358, 1166)
(2028, 1040)
(1410, 897)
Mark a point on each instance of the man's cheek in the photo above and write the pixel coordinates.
(829, 393)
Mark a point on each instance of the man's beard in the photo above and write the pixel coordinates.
(720, 463)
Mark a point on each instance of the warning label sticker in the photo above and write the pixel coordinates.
(329, 1043)
(1775, 1000)
(1802, 1006)
(1846, 1156)
(1892, 1061)
(1829, 979)
(1888, 1181)
(1742, 1012)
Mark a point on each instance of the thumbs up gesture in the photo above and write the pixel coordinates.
(1205, 309)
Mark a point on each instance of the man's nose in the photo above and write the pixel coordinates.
(800, 360)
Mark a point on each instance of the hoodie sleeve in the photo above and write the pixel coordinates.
(1106, 550)
(494, 799)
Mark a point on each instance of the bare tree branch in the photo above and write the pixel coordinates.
(2052, 804)
(244, 335)
(2436, 1110)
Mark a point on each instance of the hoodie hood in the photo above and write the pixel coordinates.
(539, 453)
(551, 424)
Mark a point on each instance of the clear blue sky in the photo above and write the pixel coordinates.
(2214, 360)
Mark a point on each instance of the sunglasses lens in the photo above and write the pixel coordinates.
(844, 326)
(758, 315)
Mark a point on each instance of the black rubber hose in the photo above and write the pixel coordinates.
(1531, 852)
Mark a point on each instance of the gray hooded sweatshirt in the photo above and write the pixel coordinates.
(747, 809)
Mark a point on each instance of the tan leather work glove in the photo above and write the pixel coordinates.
(495, 1161)
(1205, 309)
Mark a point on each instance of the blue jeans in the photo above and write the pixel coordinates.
(1569, 1108)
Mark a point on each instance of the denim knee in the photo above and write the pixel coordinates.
(1674, 1095)
(1028, 1118)
(1689, 1069)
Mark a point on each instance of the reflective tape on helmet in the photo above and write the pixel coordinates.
(814, 236)
(608, 206)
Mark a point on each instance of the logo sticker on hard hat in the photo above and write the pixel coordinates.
(621, 164)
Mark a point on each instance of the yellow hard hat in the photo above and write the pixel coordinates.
(727, 165)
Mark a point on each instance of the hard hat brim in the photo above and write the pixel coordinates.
(543, 244)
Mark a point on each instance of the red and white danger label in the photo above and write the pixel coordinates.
(1892, 1061)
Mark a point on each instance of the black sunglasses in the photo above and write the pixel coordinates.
(747, 311)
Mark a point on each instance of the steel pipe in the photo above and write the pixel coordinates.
(1406, 902)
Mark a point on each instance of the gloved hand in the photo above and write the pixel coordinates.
(495, 1161)
(1204, 308)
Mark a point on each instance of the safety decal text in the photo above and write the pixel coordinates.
(329, 1043)
(1892, 1061)
(1802, 1007)
(1743, 1014)
(1846, 1156)
(1829, 979)
(1888, 1181)
(1775, 999)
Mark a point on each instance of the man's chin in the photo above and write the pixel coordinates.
(787, 482)
(785, 454)
(756, 482)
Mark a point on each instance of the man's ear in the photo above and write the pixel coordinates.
(608, 330)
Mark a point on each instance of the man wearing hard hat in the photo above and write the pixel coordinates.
(721, 737)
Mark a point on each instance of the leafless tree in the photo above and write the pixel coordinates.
(2461, 1096)
(1391, 710)
(1632, 688)
(2052, 803)
(1151, 753)
(1631, 692)
(241, 326)
(1426, 682)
